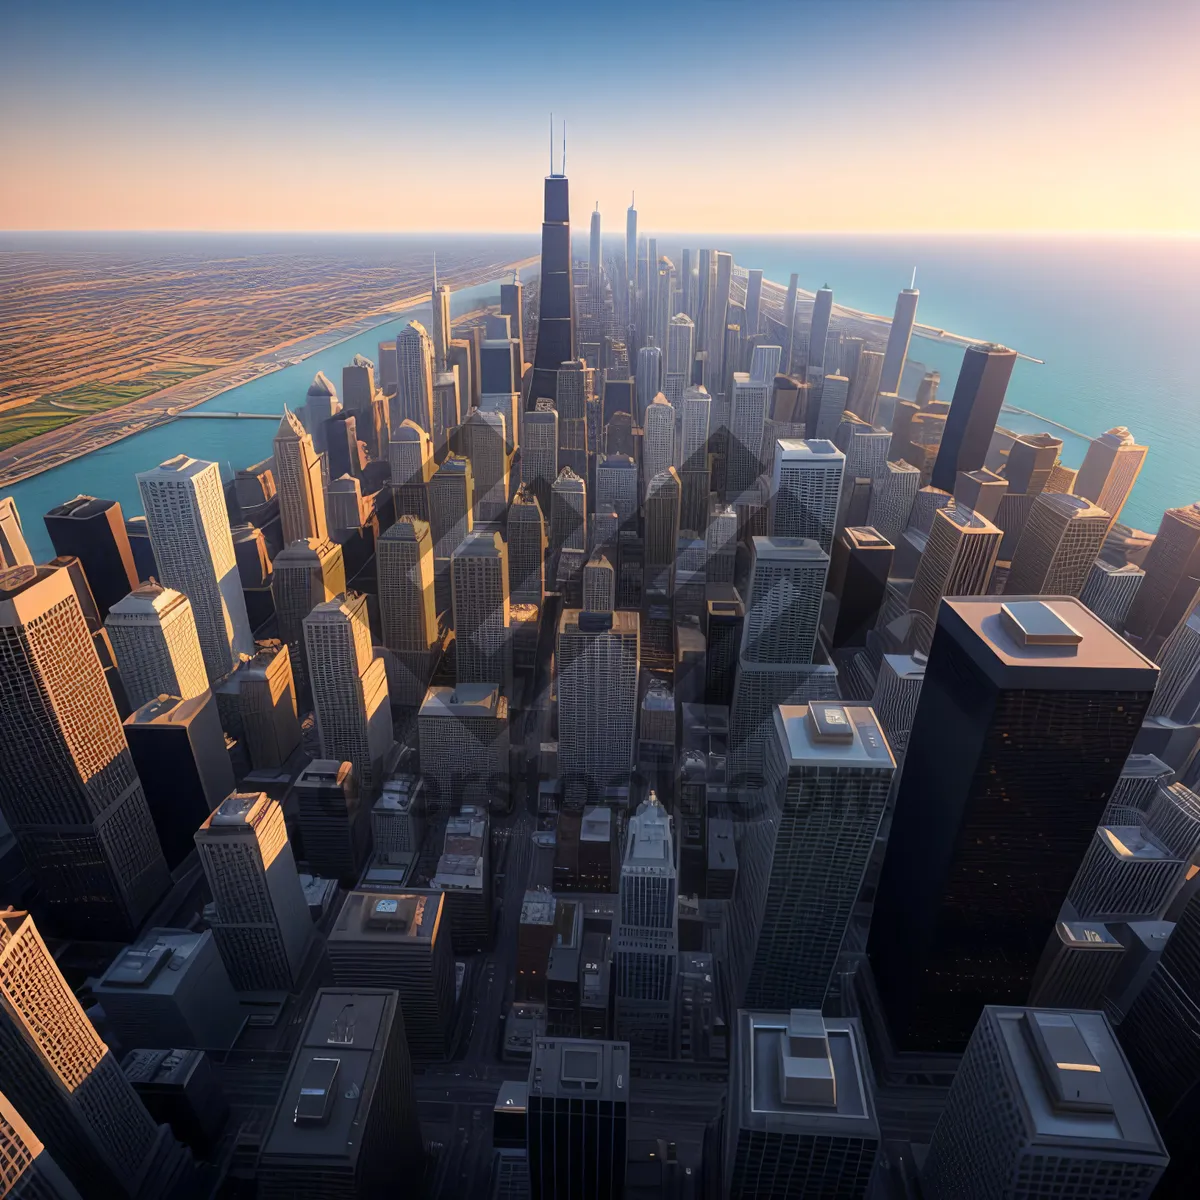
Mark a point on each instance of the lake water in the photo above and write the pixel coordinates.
(1116, 320)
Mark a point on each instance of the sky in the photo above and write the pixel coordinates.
(723, 115)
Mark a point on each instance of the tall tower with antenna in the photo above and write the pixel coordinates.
(556, 323)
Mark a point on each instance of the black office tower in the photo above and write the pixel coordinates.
(978, 395)
(1027, 712)
(858, 573)
(578, 1106)
(94, 532)
(178, 749)
(556, 327)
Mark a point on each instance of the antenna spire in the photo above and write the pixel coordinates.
(435, 272)
(912, 285)
(632, 199)
(551, 143)
(564, 157)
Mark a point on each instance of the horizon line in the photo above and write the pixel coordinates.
(690, 233)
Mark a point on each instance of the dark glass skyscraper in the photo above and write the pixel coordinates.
(94, 531)
(978, 394)
(1027, 713)
(556, 326)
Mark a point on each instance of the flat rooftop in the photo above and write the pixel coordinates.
(156, 963)
(809, 448)
(760, 1040)
(580, 1068)
(464, 700)
(168, 710)
(792, 549)
(990, 639)
(388, 917)
(1077, 1087)
(829, 733)
(331, 1077)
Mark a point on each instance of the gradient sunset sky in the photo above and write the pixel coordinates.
(724, 115)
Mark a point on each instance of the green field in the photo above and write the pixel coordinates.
(40, 416)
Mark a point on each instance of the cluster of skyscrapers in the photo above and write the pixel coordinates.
(652, 685)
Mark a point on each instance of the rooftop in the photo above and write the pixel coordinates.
(997, 647)
(809, 448)
(580, 1067)
(828, 733)
(799, 1072)
(1077, 1088)
(157, 962)
(381, 916)
(168, 710)
(331, 1082)
(792, 549)
(464, 700)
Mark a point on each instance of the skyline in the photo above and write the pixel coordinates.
(266, 121)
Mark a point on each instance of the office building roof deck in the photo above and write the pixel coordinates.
(388, 917)
(829, 733)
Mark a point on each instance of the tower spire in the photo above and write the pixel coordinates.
(435, 272)
(912, 285)
(551, 143)
(564, 153)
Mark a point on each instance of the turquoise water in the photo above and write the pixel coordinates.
(110, 471)
(1116, 320)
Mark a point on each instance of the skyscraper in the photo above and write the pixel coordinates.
(94, 532)
(1172, 567)
(835, 395)
(367, 403)
(556, 328)
(748, 409)
(897, 688)
(597, 660)
(413, 400)
(482, 442)
(153, 635)
(629, 300)
(70, 1085)
(410, 461)
(649, 376)
(1061, 540)
(957, 561)
(68, 788)
(13, 550)
(863, 397)
(407, 608)
(662, 530)
(305, 574)
(298, 480)
(818, 330)
(349, 686)
(320, 404)
(539, 450)
(858, 575)
(617, 488)
(512, 306)
(805, 1126)
(1110, 469)
(568, 512)
(599, 584)
(978, 396)
(526, 548)
(346, 1119)
(463, 735)
(806, 489)
(30, 1170)
(451, 505)
(577, 1116)
(681, 352)
(892, 497)
(262, 924)
(647, 935)
(1027, 711)
(1109, 591)
(594, 275)
(482, 619)
(1076, 1126)
(658, 442)
(189, 530)
(899, 336)
(829, 770)
(440, 301)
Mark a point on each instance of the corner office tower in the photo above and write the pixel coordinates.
(556, 326)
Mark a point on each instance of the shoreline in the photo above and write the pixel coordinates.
(47, 450)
